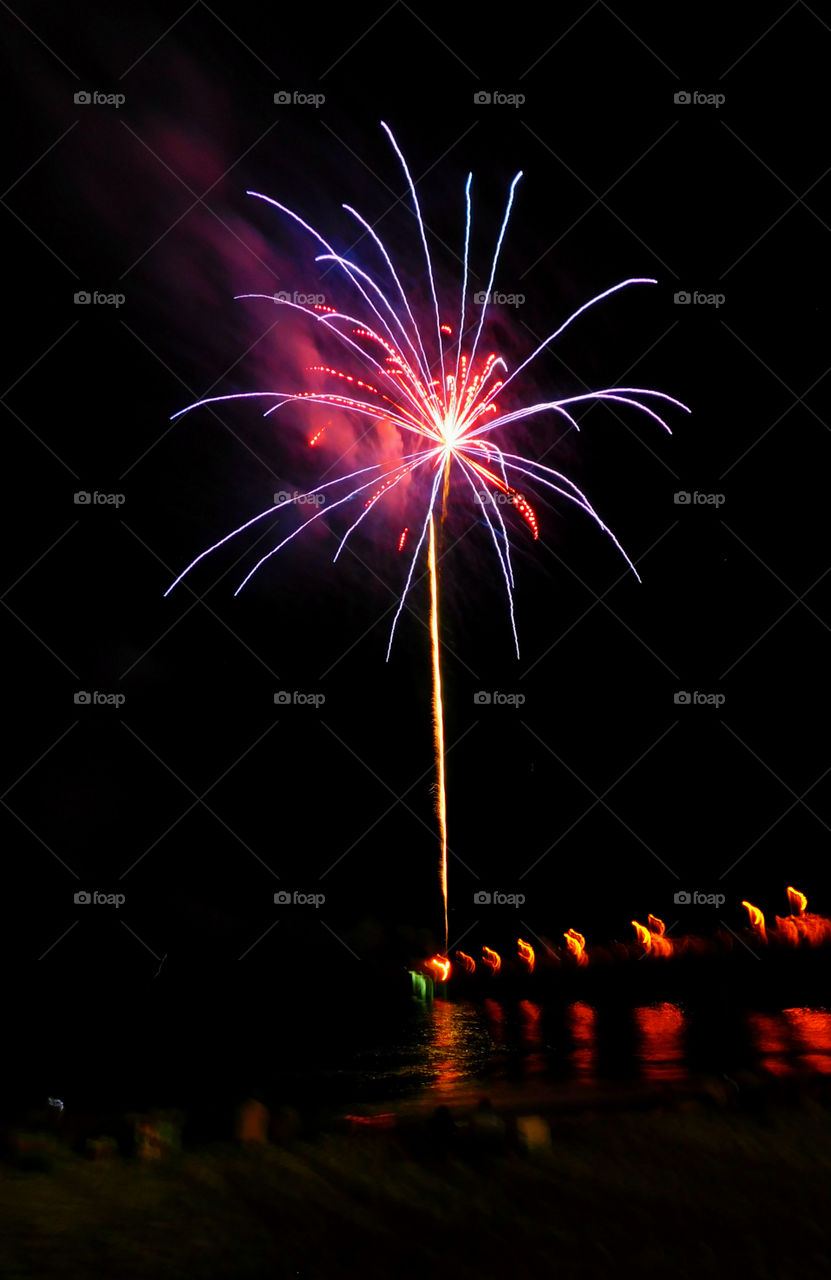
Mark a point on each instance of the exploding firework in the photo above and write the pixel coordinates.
(448, 402)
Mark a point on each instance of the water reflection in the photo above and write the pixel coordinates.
(581, 1022)
(661, 1052)
(455, 1044)
(495, 1014)
(532, 1037)
(812, 1030)
(773, 1041)
(461, 1048)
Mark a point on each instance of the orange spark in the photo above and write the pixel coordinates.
(467, 962)
(576, 944)
(802, 925)
(526, 954)
(644, 936)
(491, 959)
(757, 920)
(653, 940)
(798, 901)
(441, 967)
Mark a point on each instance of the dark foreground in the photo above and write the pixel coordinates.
(697, 1191)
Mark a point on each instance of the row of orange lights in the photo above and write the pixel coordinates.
(798, 927)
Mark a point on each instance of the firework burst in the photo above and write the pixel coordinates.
(447, 401)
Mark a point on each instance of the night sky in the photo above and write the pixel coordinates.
(600, 797)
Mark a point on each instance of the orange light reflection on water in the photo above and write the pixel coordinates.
(773, 1042)
(661, 1028)
(453, 1040)
(582, 1020)
(812, 1030)
(495, 1016)
(532, 1037)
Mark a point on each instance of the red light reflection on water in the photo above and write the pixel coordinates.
(773, 1042)
(495, 1016)
(532, 1037)
(450, 1045)
(661, 1050)
(812, 1030)
(581, 1022)
(464, 1044)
